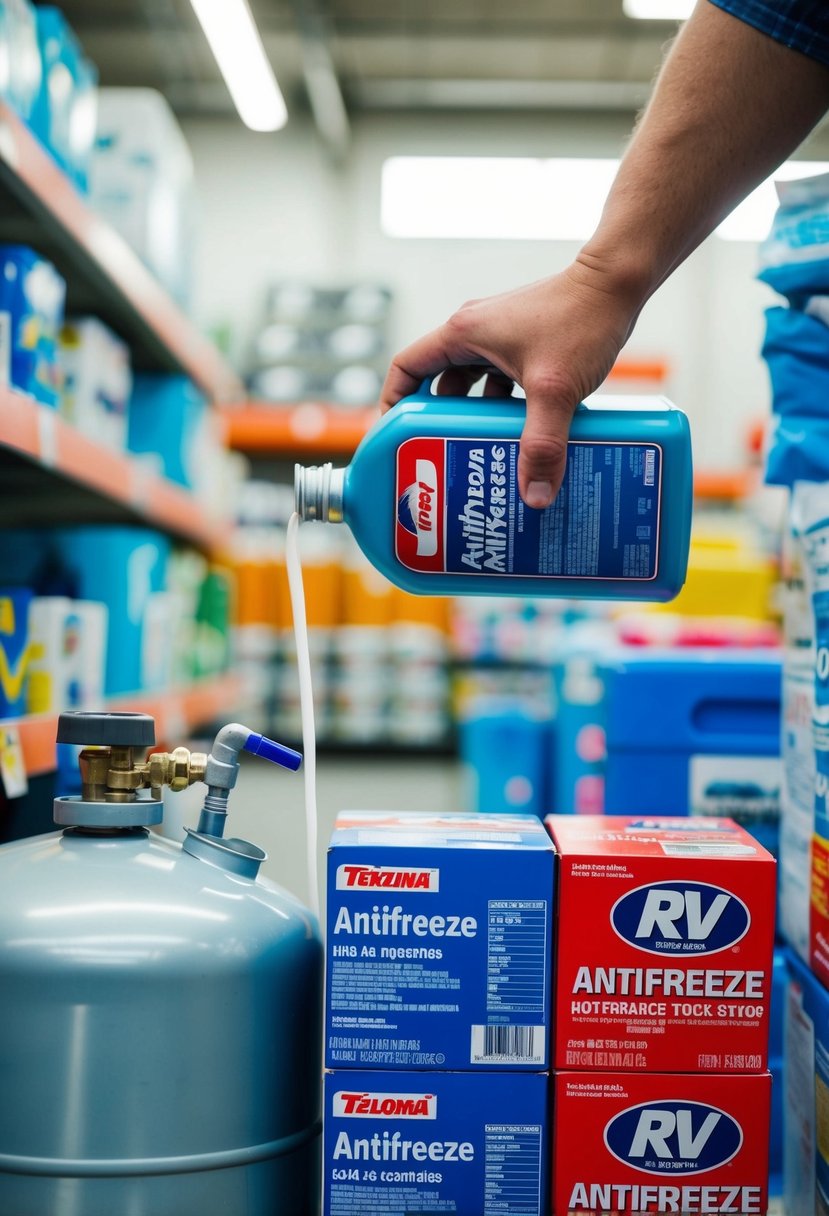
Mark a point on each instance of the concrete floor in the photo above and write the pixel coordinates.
(267, 806)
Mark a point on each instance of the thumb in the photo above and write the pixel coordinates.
(543, 451)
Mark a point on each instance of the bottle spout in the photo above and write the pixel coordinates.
(318, 492)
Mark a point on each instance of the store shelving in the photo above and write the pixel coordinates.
(177, 712)
(41, 207)
(50, 471)
(307, 429)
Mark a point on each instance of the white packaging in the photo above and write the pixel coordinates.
(97, 381)
(53, 656)
(141, 181)
(92, 622)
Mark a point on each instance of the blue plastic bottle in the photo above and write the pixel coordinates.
(431, 496)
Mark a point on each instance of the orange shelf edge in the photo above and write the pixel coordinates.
(311, 427)
(727, 485)
(38, 432)
(176, 711)
(110, 254)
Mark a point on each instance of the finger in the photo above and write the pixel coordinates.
(543, 451)
(426, 357)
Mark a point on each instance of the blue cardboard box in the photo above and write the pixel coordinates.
(64, 111)
(32, 295)
(806, 1096)
(695, 734)
(397, 1143)
(439, 942)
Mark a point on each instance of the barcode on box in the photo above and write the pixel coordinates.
(650, 466)
(507, 1045)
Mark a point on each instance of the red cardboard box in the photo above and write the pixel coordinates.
(665, 939)
(651, 1142)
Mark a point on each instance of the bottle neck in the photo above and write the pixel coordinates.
(318, 492)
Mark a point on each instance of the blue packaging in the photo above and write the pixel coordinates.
(505, 750)
(431, 496)
(796, 350)
(165, 416)
(63, 114)
(806, 1097)
(15, 650)
(20, 67)
(439, 942)
(32, 295)
(125, 568)
(397, 1143)
(695, 734)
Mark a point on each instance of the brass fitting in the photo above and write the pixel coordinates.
(111, 775)
(176, 769)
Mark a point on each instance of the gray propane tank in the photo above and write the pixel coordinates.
(159, 1004)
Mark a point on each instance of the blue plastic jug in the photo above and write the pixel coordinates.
(431, 496)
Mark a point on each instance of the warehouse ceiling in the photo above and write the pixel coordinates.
(382, 54)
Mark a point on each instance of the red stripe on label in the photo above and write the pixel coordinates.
(420, 504)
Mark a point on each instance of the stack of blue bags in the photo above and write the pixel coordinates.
(794, 260)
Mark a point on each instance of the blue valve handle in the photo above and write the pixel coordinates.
(277, 753)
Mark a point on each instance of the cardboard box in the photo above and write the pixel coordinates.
(664, 948)
(656, 1142)
(398, 1143)
(439, 942)
(806, 1096)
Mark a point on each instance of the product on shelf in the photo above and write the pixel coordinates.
(141, 182)
(403, 1142)
(322, 344)
(97, 380)
(713, 749)
(805, 1105)
(425, 917)
(16, 649)
(167, 417)
(64, 113)
(31, 313)
(20, 64)
(659, 1142)
(70, 640)
(667, 901)
(505, 750)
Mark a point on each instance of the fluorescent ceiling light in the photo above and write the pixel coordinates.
(234, 40)
(489, 198)
(752, 220)
(658, 10)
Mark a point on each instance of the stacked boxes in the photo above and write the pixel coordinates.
(663, 986)
(437, 1011)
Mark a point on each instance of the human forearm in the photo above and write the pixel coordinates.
(729, 106)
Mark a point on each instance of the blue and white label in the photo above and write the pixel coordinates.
(680, 918)
(673, 1137)
(603, 524)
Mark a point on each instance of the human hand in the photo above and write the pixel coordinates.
(557, 338)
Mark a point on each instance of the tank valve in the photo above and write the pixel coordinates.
(122, 789)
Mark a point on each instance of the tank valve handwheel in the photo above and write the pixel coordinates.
(106, 729)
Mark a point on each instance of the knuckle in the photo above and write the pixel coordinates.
(544, 451)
